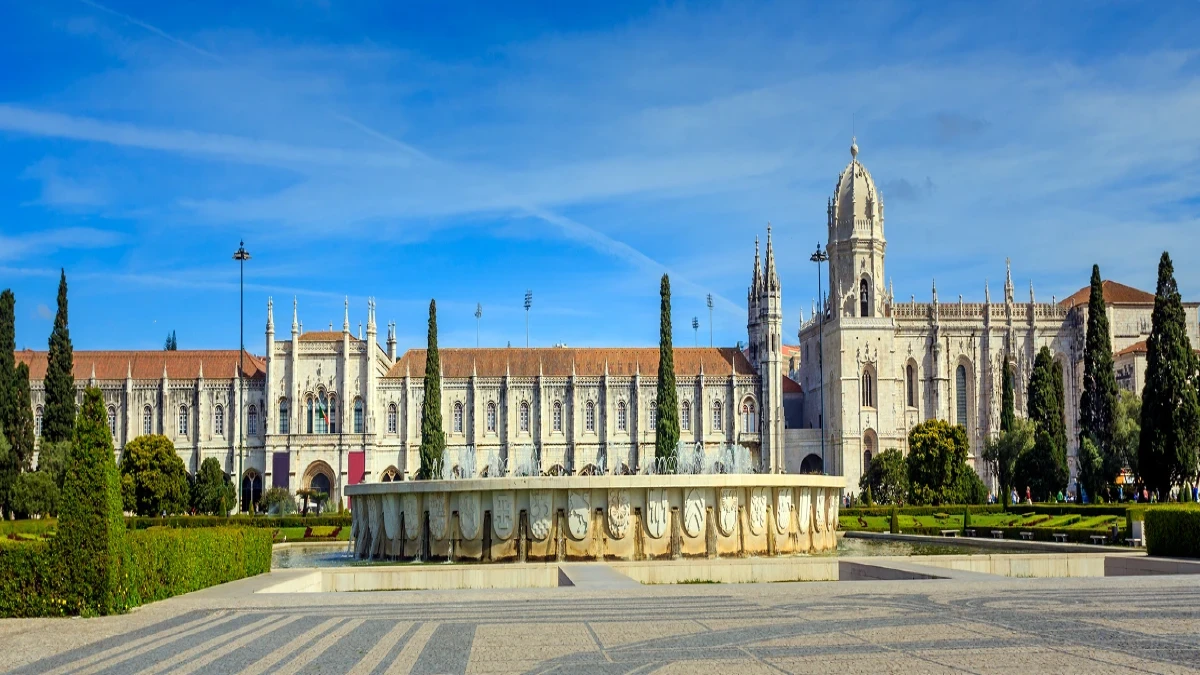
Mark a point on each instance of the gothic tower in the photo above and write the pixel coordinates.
(856, 244)
(770, 362)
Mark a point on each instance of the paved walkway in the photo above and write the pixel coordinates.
(1142, 624)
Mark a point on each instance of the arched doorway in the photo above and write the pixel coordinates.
(812, 464)
(390, 475)
(252, 487)
(319, 484)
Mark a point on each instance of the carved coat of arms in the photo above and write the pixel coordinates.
(657, 509)
(804, 510)
(783, 509)
(539, 514)
(468, 515)
(618, 512)
(438, 517)
(412, 519)
(819, 520)
(727, 518)
(693, 513)
(579, 504)
(758, 510)
(502, 514)
(391, 516)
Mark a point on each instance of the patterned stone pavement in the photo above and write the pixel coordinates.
(1143, 624)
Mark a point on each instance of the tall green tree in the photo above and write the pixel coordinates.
(213, 492)
(1170, 408)
(1098, 402)
(8, 475)
(58, 420)
(1128, 437)
(433, 438)
(89, 547)
(1003, 451)
(8, 346)
(1043, 469)
(21, 435)
(1008, 411)
(666, 444)
(171, 343)
(1046, 402)
(937, 458)
(153, 479)
(886, 478)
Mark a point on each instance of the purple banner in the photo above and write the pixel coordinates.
(279, 470)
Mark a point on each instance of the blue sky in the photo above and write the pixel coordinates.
(469, 152)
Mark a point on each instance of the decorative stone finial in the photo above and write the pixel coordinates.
(853, 147)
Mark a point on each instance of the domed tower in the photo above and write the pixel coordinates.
(856, 244)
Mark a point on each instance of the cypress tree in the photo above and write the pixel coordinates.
(666, 443)
(8, 345)
(1044, 467)
(1098, 403)
(21, 434)
(1170, 411)
(1008, 411)
(433, 439)
(58, 421)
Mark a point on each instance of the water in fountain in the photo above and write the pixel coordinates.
(459, 463)
(496, 466)
(700, 460)
(527, 462)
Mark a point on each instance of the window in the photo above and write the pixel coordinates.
(749, 422)
(868, 394)
(183, 420)
(652, 414)
(308, 429)
(557, 416)
(321, 423)
(960, 382)
(147, 421)
(622, 417)
(589, 416)
(112, 420)
(868, 448)
(491, 417)
(284, 420)
(524, 417)
(219, 421)
(716, 421)
(393, 421)
(866, 460)
(332, 414)
(252, 421)
(359, 422)
(37, 421)
(390, 475)
(910, 386)
(864, 298)
(685, 416)
(458, 418)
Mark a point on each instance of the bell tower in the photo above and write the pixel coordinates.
(856, 244)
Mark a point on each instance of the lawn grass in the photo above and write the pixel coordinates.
(953, 521)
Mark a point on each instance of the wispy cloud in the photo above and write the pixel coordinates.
(14, 247)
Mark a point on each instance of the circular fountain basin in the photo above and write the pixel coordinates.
(608, 517)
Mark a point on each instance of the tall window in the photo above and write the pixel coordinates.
(557, 416)
(716, 421)
(524, 417)
(868, 393)
(960, 381)
(308, 429)
(147, 420)
(652, 414)
(864, 298)
(491, 417)
(359, 422)
(183, 420)
(393, 421)
(252, 421)
(284, 421)
(910, 386)
(685, 416)
(589, 416)
(219, 421)
(868, 448)
(458, 417)
(37, 422)
(749, 421)
(112, 420)
(332, 414)
(324, 414)
(622, 417)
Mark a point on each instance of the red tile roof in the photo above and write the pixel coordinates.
(556, 361)
(148, 365)
(1113, 293)
(1135, 348)
(324, 336)
(791, 386)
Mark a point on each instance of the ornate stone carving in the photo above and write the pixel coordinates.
(727, 518)
(375, 518)
(540, 507)
(468, 515)
(412, 517)
(804, 509)
(819, 520)
(783, 509)
(693, 512)
(831, 511)
(618, 512)
(579, 504)
(438, 515)
(758, 510)
(391, 516)
(503, 518)
(657, 509)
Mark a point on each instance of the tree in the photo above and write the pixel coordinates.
(937, 456)
(8, 346)
(1003, 451)
(1170, 409)
(1091, 467)
(886, 478)
(89, 547)
(35, 494)
(666, 444)
(153, 479)
(8, 475)
(21, 435)
(433, 438)
(969, 489)
(171, 343)
(1008, 412)
(58, 420)
(213, 493)
(279, 502)
(1045, 470)
(1128, 437)
(1098, 402)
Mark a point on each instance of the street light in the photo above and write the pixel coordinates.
(695, 331)
(241, 255)
(710, 342)
(528, 303)
(478, 314)
(820, 257)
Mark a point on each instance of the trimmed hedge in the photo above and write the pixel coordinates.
(168, 562)
(273, 522)
(1173, 532)
(855, 511)
(27, 581)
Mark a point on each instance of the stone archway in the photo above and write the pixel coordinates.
(252, 488)
(812, 464)
(320, 476)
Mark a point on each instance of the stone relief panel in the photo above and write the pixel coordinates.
(468, 514)
(783, 509)
(819, 521)
(693, 512)
(804, 510)
(831, 511)
(503, 518)
(412, 518)
(375, 518)
(758, 510)
(657, 509)
(391, 516)
(540, 507)
(727, 518)
(578, 505)
(618, 512)
(438, 515)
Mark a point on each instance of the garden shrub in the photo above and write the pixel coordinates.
(153, 478)
(1173, 532)
(169, 562)
(26, 578)
(272, 522)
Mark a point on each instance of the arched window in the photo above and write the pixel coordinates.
(589, 416)
(864, 298)
(183, 420)
(622, 417)
(332, 415)
(458, 417)
(390, 475)
(652, 414)
(37, 421)
(309, 426)
(960, 382)
(285, 422)
(252, 421)
(324, 414)
(524, 417)
(147, 420)
(868, 387)
(749, 419)
(393, 420)
(219, 421)
(868, 448)
(359, 422)
(557, 416)
(685, 416)
(491, 417)
(910, 385)
(716, 416)
(112, 420)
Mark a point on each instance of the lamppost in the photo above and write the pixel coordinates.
(528, 303)
(821, 257)
(710, 341)
(241, 255)
(695, 331)
(478, 314)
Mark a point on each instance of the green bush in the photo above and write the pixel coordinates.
(35, 493)
(213, 493)
(26, 578)
(272, 522)
(169, 562)
(1173, 532)
(153, 479)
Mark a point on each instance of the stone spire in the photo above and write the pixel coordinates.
(756, 279)
(935, 300)
(295, 318)
(270, 314)
(371, 316)
(346, 320)
(201, 376)
(987, 292)
(1031, 300)
(772, 278)
(391, 341)
(1008, 284)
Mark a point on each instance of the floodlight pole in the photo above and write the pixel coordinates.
(710, 331)
(821, 257)
(241, 255)
(528, 303)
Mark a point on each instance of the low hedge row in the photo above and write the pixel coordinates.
(27, 579)
(188, 522)
(917, 510)
(1173, 532)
